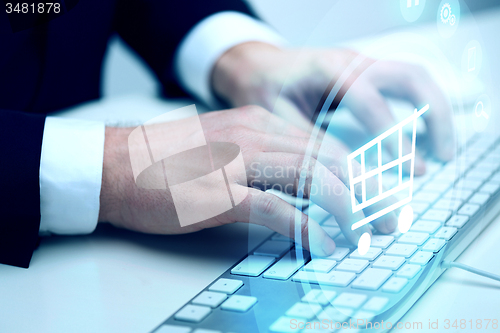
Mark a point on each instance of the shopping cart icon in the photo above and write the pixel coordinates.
(403, 187)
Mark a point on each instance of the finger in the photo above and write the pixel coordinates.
(261, 119)
(286, 109)
(296, 174)
(329, 150)
(270, 211)
(371, 109)
(252, 117)
(414, 84)
(283, 171)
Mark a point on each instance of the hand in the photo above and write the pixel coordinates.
(266, 151)
(292, 84)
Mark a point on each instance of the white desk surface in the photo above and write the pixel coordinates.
(119, 281)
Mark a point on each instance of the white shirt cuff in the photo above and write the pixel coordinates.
(208, 40)
(70, 175)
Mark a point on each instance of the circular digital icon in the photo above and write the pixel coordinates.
(481, 113)
(472, 59)
(411, 9)
(445, 13)
(448, 16)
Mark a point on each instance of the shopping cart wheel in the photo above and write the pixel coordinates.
(405, 219)
(364, 243)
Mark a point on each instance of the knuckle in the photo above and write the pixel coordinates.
(257, 111)
(239, 130)
(267, 205)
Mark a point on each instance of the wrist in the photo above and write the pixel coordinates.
(238, 74)
(115, 173)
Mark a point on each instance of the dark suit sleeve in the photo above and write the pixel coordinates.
(20, 149)
(155, 28)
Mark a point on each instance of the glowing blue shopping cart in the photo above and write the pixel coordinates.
(401, 186)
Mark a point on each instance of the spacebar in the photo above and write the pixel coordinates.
(335, 278)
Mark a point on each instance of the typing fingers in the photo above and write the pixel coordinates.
(268, 210)
(413, 83)
(371, 109)
(296, 174)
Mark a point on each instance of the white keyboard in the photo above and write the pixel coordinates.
(278, 286)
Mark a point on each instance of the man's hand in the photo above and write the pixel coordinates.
(292, 84)
(274, 152)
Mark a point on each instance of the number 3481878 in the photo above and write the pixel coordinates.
(40, 8)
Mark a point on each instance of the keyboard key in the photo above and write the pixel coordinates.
(418, 182)
(425, 226)
(468, 184)
(252, 265)
(350, 300)
(331, 222)
(490, 163)
(193, 313)
(460, 194)
(434, 245)
(448, 204)
(395, 285)
(401, 250)
(376, 304)
(281, 238)
(317, 213)
(416, 238)
(335, 314)
(332, 231)
(352, 265)
(437, 186)
(479, 198)
(284, 325)
(469, 209)
(322, 297)
(381, 241)
(273, 249)
(437, 215)
(320, 265)
(338, 254)
(480, 174)
(334, 278)
(457, 221)
(432, 167)
(209, 298)
(173, 329)
(239, 303)
(389, 262)
(445, 233)
(371, 279)
(286, 266)
(371, 254)
(421, 258)
(202, 330)
(490, 188)
(408, 271)
(426, 196)
(496, 177)
(228, 286)
(304, 310)
(419, 207)
(366, 315)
